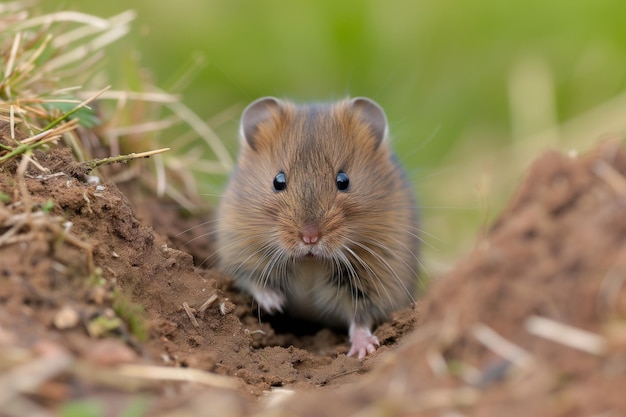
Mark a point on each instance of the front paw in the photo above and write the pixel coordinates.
(363, 341)
(270, 300)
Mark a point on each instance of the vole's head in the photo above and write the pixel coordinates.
(313, 181)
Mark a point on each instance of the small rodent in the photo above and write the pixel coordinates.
(318, 219)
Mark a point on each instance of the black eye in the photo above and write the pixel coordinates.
(280, 181)
(343, 182)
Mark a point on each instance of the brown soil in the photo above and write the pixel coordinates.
(70, 325)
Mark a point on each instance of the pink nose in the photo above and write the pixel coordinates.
(310, 235)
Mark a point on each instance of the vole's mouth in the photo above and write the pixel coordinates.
(311, 253)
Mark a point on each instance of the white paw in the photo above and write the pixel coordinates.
(270, 300)
(363, 341)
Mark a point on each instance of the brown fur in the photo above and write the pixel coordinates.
(375, 220)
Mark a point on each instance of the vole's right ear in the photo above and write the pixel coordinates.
(257, 112)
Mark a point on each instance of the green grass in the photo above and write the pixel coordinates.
(472, 90)
(135, 407)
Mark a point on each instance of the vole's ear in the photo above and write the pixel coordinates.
(257, 112)
(373, 115)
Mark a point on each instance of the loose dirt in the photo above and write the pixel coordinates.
(90, 283)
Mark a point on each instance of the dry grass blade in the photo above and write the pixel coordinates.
(164, 373)
(95, 163)
(277, 397)
(142, 128)
(498, 344)
(84, 31)
(16, 6)
(63, 16)
(613, 178)
(191, 313)
(31, 143)
(205, 132)
(80, 105)
(153, 97)
(26, 378)
(207, 303)
(83, 52)
(566, 335)
(8, 71)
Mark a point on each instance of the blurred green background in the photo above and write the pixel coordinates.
(473, 90)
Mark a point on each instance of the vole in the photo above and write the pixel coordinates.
(318, 219)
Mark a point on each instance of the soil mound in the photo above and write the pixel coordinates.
(531, 322)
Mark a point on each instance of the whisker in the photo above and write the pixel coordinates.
(239, 243)
(203, 235)
(371, 273)
(210, 195)
(389, 268)
(353, 280)
(415, 272)
(216, 252)
(449, 208)
(415, 231)
(274, 255)
(196, 226)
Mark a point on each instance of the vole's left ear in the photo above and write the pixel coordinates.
(373, 115)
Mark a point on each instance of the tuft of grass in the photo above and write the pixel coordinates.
(136, 407)
(83, 408)
(48, 97)
(132, 314)
(47, 93)
(47, 206)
